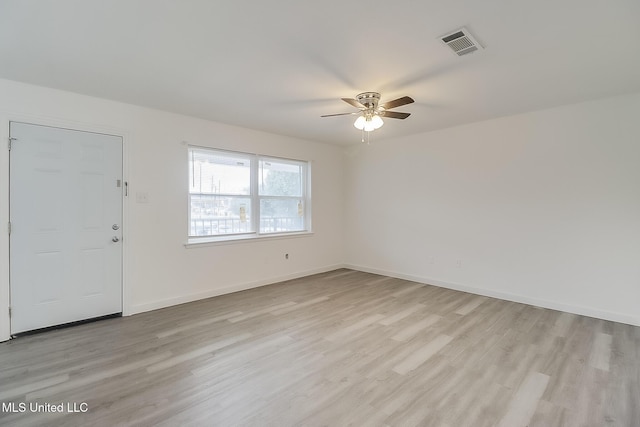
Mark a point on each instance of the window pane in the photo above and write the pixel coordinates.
(278, 215)
(242, 193)
(280, 178)
(215, 173)
(215, 215)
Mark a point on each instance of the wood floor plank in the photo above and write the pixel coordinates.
(96, 377)
(411, 330)
(601, 354)
(299, 306)
(470, 306)
(350, 329)
(525, 401)
(265, 310)
(14, 391)
(201, 351)
(407, 290)
(205, 322)
(402, 314)
(421, 356)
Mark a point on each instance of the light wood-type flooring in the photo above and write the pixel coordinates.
(336, 349)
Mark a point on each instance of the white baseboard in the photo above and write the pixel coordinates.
(584, 311)
(168, 302)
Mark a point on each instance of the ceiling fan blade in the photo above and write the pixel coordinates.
(353, 102)
(394, 115)
(340, 114)
(397, 102)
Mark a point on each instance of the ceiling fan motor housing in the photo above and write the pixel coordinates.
(369, 99)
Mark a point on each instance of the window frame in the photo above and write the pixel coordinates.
(254, 197)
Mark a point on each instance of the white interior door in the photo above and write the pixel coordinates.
(66, 226)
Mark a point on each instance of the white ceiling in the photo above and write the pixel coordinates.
(278, 65)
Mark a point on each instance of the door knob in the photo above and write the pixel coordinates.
(115, 239)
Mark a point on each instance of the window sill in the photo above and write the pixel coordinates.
(200, 242)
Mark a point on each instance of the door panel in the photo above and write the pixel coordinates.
(65, 195)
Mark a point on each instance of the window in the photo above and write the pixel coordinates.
(239, 194)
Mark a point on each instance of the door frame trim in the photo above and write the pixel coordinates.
(5, 286)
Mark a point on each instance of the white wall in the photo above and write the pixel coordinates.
(542, 208)
(159, 270)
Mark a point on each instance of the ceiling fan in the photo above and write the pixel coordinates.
(371, 111)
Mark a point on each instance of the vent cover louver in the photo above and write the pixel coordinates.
(461, 42)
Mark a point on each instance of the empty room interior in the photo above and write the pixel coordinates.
(320, 214)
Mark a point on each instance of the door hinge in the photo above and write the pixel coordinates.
(11, 139)
(9, 311)
(9, 227)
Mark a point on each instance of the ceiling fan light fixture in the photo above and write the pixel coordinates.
(359, 123)
(368, 126)
(368, 123)
(377, 122)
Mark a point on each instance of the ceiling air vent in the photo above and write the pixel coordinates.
(461, 42)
